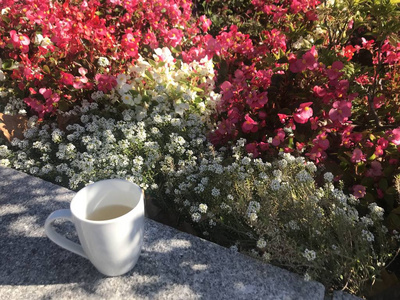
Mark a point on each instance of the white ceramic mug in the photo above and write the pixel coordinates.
(113, 246)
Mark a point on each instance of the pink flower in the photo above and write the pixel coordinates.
(303, 113)
(378, 151)
(20, 41)
(66, 78)
(334, 71)
(341, 111)
(394, 136)
(226, 89)
(252, 148)
(174, 37)
(308, 61)
(205, 23)
(358, 156)
(234, 115)
(249, 125)
(359, 191)
(280, 137)
(376, 169)
(319, 91)
(105, 82)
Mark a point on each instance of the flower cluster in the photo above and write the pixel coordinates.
(277, 212)
(154, 134)
(278, 135)
(55, 53)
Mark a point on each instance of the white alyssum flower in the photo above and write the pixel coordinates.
(261, 243)
(328, 176)
(310, 255)
(376, 211)
(196, 217)
(203, 208)
(368, 235)
(275, 185)
(103, 62)
(215, 192)
(304, 176)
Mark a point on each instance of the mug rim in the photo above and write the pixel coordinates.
(141, 199)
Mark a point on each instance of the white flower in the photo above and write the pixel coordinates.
(234, 248)
(57, 135)
(196, 217)
(311, 167)
(215, 192)
(328, 176)
(2, 76)
(376, 210)
(253, 216)
(282, 164)
(293, 225)
(307, 277)
(103, 62)
(261, 243)
(275, 185)
(203, 208)
(127, 99)
(367, 221)
(310, 255)
(304, 176)
(266, 257)
(277, 174)
(368, 235)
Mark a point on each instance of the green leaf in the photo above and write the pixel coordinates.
(388, 171)
(369, 197)
(197, 89)
(389, 199)
(148, 75)
(383, 184)
(46, 69)
(394, 221)
(391, 190)
(63, 105)
(152, 62)
(7, 64)
(6, 19)
(367, 181)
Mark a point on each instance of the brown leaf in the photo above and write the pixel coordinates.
(13, 126)
(384, 283)
(63, 121)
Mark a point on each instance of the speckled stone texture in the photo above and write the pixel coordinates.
(173, 264)
(339, 295)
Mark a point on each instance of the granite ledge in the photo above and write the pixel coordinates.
(173, 264)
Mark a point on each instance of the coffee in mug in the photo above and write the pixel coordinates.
(109, 218)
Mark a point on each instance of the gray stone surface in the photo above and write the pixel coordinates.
(340, 295)
(173, 264)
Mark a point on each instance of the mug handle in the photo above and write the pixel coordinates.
(58, 238)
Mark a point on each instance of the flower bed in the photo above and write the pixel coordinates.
(278, 136)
